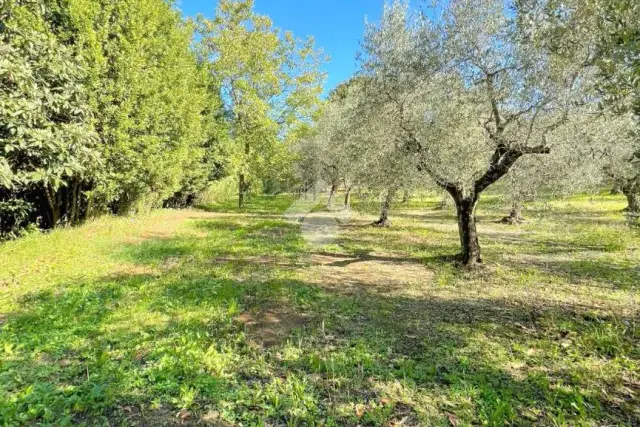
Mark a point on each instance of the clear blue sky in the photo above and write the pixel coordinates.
(336, 25)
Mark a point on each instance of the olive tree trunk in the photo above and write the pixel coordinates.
(332, 193)
(383, 221)
(515, 216)
(633, 203)
(347, 198)
(466, 212)
(466, 200)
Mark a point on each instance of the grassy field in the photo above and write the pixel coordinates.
(227, 317)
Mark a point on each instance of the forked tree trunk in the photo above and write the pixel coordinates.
(503, 158)
(466, 211)
(347, 198)
(383, 221)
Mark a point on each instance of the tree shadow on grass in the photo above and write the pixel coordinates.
(263, 205)
(377, 347)
(580, 260)
(596, 272)
(171, 344)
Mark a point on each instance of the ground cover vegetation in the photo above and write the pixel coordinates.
(228, 317)
(317, 259)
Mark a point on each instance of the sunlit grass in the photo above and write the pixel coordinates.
(230, 316)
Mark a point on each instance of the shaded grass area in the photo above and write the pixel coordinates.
(274, 205)
(230, 317)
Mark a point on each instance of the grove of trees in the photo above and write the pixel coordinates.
(112, 106)
(464, 93)
(122, 105)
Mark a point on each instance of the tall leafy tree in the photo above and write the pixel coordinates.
(47, 146)
(270, 84)
(149, 95)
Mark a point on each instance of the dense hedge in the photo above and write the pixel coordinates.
(103, 107)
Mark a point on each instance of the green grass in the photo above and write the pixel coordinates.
(230, 317)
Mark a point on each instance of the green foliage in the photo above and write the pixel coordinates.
(103, 107)
(46, 141)
(218, 192)
(189, 317)
(14, 218)
(618, 24)
(150, 99)
(270, 86)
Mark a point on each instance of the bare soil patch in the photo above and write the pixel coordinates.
(349, 274)
(271, 325)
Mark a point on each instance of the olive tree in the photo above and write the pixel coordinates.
(604, 34)
(577, 163)
(353, 147)
(469, 96)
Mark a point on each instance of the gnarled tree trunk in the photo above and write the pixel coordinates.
(347, 198)
(466, 212)
(383, 221)
(633, 202)
(631, 189)
(515, 216)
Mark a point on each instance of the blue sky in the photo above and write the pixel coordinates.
(336, 25)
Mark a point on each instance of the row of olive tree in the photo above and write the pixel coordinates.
(473, 91)
(348, 148)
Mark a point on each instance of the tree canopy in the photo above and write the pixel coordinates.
(269, 83)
